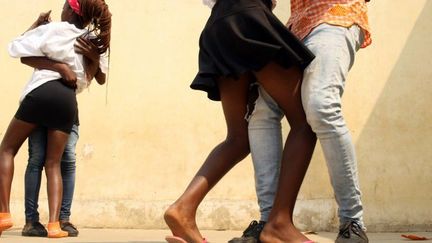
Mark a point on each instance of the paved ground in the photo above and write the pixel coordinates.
(157, 236)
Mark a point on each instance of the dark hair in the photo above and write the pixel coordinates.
(97, 15)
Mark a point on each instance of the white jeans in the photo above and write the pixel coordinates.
(322, 89)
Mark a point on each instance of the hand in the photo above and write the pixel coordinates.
(69, 76)
(44, 18)
(274, 3)
(88, 49)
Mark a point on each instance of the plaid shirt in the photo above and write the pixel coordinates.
(307, 14)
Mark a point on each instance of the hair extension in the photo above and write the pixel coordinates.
(96, 14)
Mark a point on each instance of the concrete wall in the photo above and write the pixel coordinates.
(143, 137)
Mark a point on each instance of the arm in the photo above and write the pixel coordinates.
(43, 18)
(100, 77)
(91, 58)
(93, 70)
(274, 3)
(30, 42)
(67, 74)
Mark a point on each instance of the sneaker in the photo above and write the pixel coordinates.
(352, 232)
(34, 229)
(251, 233)
(70, 228)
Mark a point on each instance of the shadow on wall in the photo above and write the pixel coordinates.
(394, 148)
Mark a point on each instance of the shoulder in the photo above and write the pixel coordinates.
(64, 28)
(52, 26)
(50, 29)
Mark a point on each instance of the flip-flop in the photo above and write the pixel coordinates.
(5, 222)
(175, 239)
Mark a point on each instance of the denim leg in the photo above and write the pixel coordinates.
(68, 168)
(322, 89)
(265, 139)
(32, 180)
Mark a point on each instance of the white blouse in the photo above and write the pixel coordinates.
(56, 41)
(209, 3)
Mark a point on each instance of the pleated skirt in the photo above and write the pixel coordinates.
(243, 36)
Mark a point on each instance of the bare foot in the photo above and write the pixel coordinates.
(273, 233)
(182, 223)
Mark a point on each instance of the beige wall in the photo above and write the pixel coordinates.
(138, 151)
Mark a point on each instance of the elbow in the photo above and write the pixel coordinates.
(24, 60)
(100, 77)
(101, 81)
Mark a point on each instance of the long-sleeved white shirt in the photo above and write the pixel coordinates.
(209, 3)
(56, 41)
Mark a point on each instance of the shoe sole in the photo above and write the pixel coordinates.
(32, 235)
(73, 235)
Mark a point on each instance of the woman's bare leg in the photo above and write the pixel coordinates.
(284, 85)
(56, 141)
(180, 216)
(15, 135)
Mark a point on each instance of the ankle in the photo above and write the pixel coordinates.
(5, 218)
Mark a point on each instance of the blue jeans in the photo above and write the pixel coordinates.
(322, 89)
(37, 148)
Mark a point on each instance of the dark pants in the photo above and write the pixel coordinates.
(37, 148)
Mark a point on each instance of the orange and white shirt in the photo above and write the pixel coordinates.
(307, 14)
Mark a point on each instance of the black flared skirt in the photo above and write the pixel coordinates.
(52, 105)
(243, 36)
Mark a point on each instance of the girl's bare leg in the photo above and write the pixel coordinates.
(56, 141)
(14, 137)
(180, 216)
(284, 85)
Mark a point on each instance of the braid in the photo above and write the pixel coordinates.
(97, 14)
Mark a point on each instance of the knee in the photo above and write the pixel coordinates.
(315, 113)
(324, 117)
(33, 166)
(68, 167)
(7, 152)
(69, 156)
(52, 164)
(239, 143)
(36, 160)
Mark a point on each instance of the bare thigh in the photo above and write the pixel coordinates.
(234, 97)
(16, 133)
(284, 86)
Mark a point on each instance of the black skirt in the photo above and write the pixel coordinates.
(242, 36)
(52, 105)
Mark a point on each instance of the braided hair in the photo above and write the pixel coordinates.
(98, 17)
